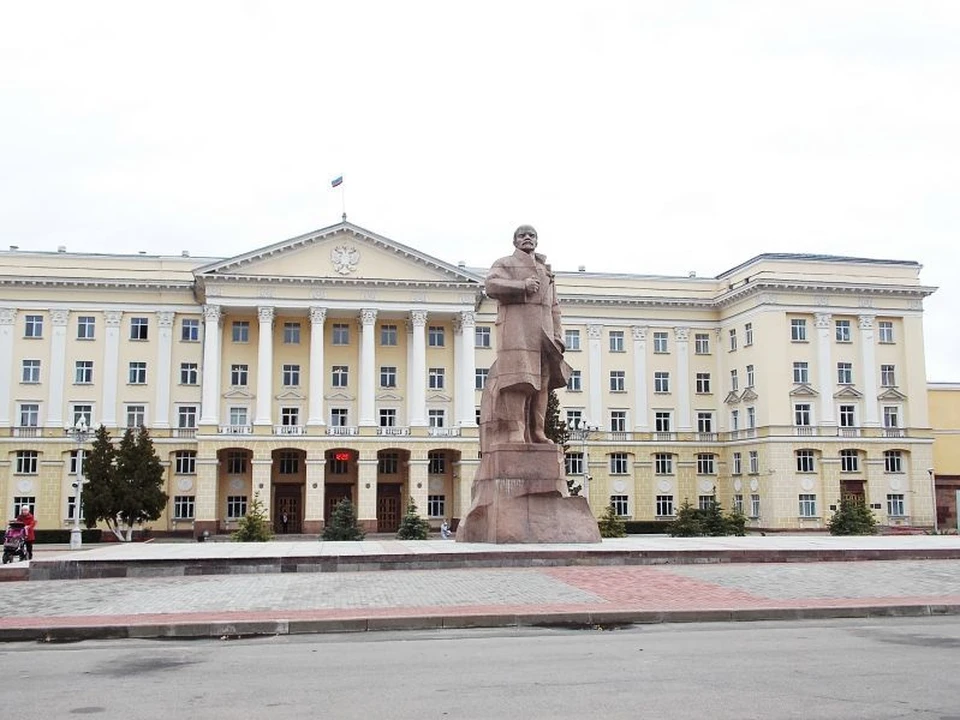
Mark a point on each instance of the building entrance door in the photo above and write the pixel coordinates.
(287, 503)
(388, 507)
(334, 493)
(852, 490)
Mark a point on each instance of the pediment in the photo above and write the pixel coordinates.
(291, 395)
(891, 394)
(803, 390)
(238, 392)
(749, 395)
(341, 396)
(438, 397)
(848, 393)
(732, 398)
(389, 396)
(341, 252)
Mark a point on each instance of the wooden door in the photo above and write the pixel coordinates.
(852, 490)
(287, 502)
(334, 493)
(388, 507)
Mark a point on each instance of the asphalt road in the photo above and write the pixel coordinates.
(889, 668)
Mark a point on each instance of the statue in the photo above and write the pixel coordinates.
(520, 493)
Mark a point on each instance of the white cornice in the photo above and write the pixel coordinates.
(113, 283)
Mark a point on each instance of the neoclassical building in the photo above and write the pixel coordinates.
(341, 363)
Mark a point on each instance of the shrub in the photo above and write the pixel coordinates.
(412, 526)
(611, 525)
(853, 517)
(343, 523)
(710, 521)
(255, 525)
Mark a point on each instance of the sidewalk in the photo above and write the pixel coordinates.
(287, 590)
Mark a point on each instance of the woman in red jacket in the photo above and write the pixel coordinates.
(29, 523)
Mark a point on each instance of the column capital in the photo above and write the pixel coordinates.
(419, 318)
(368, 316)
(212, 313)
(165, 318)
(822, 320)
(682, 333)
(113, 318)
(265, 314)
(318, 315)
(639, 332)
(866, 321)
(59, 317)
(8, 316)
(595, 332)
(468, 319)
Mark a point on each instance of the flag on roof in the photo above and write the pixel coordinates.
(337, 181)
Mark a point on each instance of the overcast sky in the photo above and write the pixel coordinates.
(647, 137)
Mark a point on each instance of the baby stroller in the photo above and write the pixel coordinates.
(14, 542)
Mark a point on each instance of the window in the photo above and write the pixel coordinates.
(482, 374)
(340, 376)
(843, 331)
(617, 381)
(808, 505)
(734, 420)
(891, 416)
(86, 327)
(435, 378)
(30, 371)
(733, 339)
(236, 462)
(755, 505)
(436, 418)
(575, 381)
(703, 382)
(660, 342)
(341, 334)
(238, 416)
(618, 463)
(574, 418)
(136, 416)
(751, 418)
(388, 335)
(139, 328)
(388, 376)
(240, 331)
(189, 374)
(705, 421)
(183, 507)
(339, 463)
(661, 421)
(236, 506)
(751, 377)
(885, 331)
(805, 461)
(705, 502)
(33, 326)
(290, 375)
(848, 416)
(435, 336)
(661, 382)
(748, 334)
(436, 463)
(388, 417)
(620, 504)
(83, 372)
(664, 506)
(737, 464)
(28, 462)
(338, 417)
(845, 373)
(82, 412)
(663, 464)
(481, 337)
(798, 330)
(29, 415)
(238, 375)
(801, 414)
(705, 464)
(754, 459)
(573, 463)
(616, 340)
(187, 416)
(738, 504)
(893, 461)
(71, 506)
(291, 333)
(618, 421)
(571, 338)
(849, 461)
(288, 462)
(895, 505)
(801, 372)
(888, 376)
(185, 462)
(137, 374)
(25, 500)
(734, 381)
(436, 506)
(189, 330)
(701, 344)
(290, 416)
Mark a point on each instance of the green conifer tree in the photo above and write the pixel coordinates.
(611, 525)
(412, 526)
(343, 523)
(255, 525)
(853, 517)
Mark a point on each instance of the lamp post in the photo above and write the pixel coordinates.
(79, 432)
(582, 431)
(933, 489)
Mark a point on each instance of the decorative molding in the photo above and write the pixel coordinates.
(865, 322)
(682, 334)
(318, 315)
(749, 395)
(165, 318)
(595, 332)
(419, 318)
(59, 317)
(8, 316)
(639, 332)
(847, 392)
(732, 398)
(368, 316)
(318, 294)
(892, 394)
(265, 314)
(344, 259)
(803, 390)
(113, 318)
(468, 318)
(822, 320)
(266, 292)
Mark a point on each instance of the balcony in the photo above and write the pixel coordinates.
(289, 430)
(804, 431)
(665, 437)
(706, 437)
(235, 429)
(393, 430)
(26, 431)
(187, 433)
(443, 432)
(849, 432)
(893, 432)
(342, 430)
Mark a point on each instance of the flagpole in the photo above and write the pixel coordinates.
(343, 203)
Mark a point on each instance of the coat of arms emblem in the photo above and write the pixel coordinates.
(345, 259)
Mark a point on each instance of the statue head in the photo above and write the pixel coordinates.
(525, 238)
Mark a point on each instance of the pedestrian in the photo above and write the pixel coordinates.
(444, 530)
(29, 523)
(284, 522)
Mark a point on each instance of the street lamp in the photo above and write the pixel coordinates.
(582, 431)
(79, 432)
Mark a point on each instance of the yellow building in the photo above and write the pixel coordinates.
(945, 470)
(343, 364)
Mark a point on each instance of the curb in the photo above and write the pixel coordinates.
(575, 620)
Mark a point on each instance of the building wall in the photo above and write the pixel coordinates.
(944, 403)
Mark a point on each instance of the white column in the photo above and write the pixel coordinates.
(163, 377)
(265, 367)
(467, 371)
(824, 370)
(210, 412)
(417, 380)
(262, 487)
(316, 383)
(8, 318)
(641, 412)
(595, 381)
(58, 358)
(682, 339)
(314, 503)
(456, 384)
(367, 492)
(868, 353)
(368, 361)
(111, 367)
